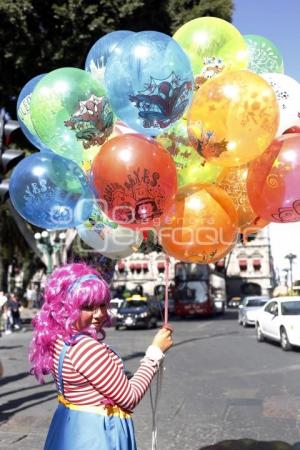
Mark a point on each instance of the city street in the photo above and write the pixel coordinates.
(219, 383)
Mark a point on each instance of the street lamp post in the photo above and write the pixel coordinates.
(49, 245)
(290, 257)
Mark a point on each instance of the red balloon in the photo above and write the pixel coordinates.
(136, 181)
(273, 181)
(292, 130)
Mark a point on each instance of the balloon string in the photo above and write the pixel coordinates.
(166, 314)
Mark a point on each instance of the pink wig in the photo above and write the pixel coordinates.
(68, 289)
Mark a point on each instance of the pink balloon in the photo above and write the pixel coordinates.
(273, 182)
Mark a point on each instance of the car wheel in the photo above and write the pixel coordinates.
(259, 334)
(284, 340)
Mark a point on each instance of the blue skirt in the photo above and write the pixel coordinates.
(79, 429)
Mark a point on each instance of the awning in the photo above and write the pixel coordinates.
(221, 263)
(132, 266)
(145, 266)
(243, 262)
(138, 266)
(161, 265)
(257, 262)
(121, 266)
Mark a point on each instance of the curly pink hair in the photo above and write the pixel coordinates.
(68, 289)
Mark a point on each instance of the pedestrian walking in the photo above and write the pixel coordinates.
(13, 305)
(95, 397)
(3, 301)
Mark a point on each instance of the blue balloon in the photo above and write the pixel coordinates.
(50, 192)
(149, 81)
(102, 49)
(23, 113)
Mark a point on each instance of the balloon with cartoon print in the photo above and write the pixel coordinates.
(213, 45)
(50, 191)
(24, 115)
(287, 91)
(154, 85)
(99, 53)
(233, 118)
(191, 167)
(135, 179)
(273, 181)
(107, 237)
(71, 113)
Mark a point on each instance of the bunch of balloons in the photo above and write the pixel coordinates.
(183, 135)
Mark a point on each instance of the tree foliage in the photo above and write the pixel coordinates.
(39, 36)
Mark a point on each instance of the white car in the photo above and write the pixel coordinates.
(250, 308)
(114, 306)
(279, 320)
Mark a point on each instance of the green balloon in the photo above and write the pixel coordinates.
(213, 45)
(71, 113)
(191, 167)
(264, 56)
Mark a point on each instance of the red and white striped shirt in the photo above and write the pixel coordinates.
(93, 373)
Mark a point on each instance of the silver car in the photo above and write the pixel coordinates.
(249, 309)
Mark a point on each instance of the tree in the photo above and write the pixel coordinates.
(39, 36)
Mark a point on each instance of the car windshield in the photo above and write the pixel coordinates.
(135, 304)
(114, 304)
(290, 308)
(256, 302)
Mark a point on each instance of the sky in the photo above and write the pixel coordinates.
(279, 21)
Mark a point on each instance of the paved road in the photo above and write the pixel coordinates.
(218, 384)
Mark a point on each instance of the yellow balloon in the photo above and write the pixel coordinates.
(233, 118)
(213, 46)
(191, 167)
(234, 181)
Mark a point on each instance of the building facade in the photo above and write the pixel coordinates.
(248, 269)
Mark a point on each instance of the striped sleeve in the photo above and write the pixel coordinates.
(97, 363)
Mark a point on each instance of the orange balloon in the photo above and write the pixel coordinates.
(254, 227)
(135, 179)
(233, 118)
(234, 181)
(202, 225)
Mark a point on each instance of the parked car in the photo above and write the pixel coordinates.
(279, 320)
(234, 302)
(249, 309)
(137, 311)
(114, 306)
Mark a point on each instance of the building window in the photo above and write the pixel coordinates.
(243, 265)
(161, 267)
(121, 267)
(257, 265)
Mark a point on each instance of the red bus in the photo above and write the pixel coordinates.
(198, 290)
